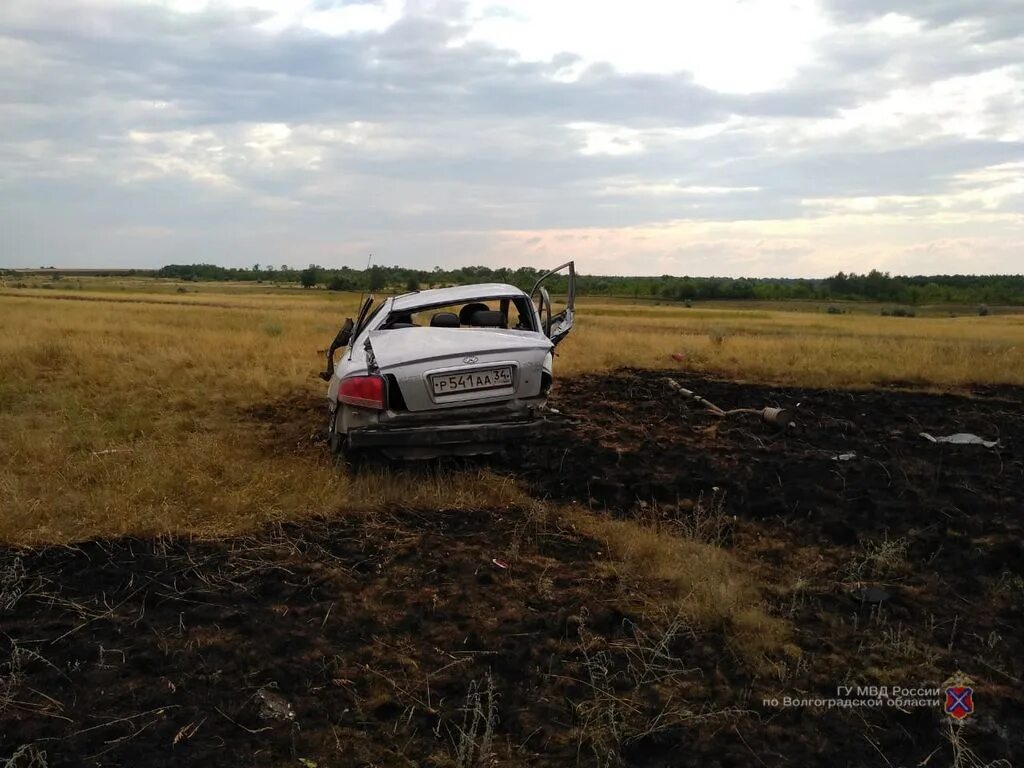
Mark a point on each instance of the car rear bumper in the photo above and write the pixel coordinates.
(444, 432)
(440, 436)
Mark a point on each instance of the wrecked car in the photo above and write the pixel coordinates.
(446, 371)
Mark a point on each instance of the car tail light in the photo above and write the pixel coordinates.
(363, 391)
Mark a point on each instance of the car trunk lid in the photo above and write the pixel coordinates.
(450, 367)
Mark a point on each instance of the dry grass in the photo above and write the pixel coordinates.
(131, 418)
(854, 350)
(123, 402)
(697, 580)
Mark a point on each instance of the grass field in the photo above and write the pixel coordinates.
(124, 403)
(145, 408)
(131, 414)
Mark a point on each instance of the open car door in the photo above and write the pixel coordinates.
(556, 325)
(349, 331)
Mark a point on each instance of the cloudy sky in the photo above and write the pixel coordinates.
(739, 137)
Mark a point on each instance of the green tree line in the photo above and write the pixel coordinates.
(872, 286)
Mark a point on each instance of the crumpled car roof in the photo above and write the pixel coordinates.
(454, 295)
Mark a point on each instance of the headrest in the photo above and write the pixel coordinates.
(444, 320)
(469, 310)
(487, 318)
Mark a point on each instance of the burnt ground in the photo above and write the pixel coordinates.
(897, 565)
(396, 640)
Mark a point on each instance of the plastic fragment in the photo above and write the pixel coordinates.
(961, 438)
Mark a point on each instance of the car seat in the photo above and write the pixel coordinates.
(487, 318)
(444, 320)
(467, 312)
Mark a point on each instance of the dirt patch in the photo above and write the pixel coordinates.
(294, 424)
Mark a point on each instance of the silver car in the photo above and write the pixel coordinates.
(448, 371)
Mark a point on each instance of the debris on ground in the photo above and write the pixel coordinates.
(274, 706)
(845, 456)
(781, 417)
(961, 438)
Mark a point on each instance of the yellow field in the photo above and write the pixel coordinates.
(855, 350)
(125, 410)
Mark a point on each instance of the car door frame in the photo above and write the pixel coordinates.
(560, 324)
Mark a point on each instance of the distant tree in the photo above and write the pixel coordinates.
(308, 277)
(412, 284)
(339, 283)
(894, 291)
(377, 279)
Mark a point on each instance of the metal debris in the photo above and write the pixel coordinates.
(961, 438)
(780, 417)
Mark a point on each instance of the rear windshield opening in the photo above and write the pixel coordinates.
(514, 313)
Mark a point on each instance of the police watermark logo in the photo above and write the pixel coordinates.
(959, 696)
(955, 698)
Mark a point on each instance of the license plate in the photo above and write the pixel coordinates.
(472, 381)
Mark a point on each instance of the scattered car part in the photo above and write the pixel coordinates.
(781, 417)
(694, 396)
(961, 438)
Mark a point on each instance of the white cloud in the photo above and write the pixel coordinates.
(738, 46)
(983, 105)
(608, 139)
(742, 136)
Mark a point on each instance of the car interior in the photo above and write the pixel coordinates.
(475, 314)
